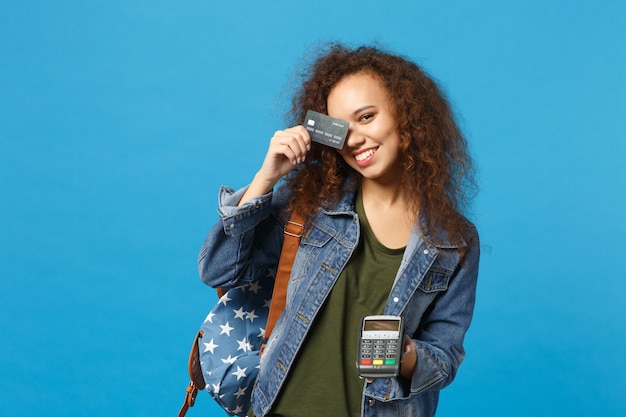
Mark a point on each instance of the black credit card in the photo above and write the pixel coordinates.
(325, 129)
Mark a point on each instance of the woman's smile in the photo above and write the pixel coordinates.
(364, 157)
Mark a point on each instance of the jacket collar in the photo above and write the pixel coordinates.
(439, 238)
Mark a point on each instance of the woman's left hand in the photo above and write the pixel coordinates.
(409, 358)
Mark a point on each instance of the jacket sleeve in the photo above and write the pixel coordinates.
(440, 336)
(243, 238)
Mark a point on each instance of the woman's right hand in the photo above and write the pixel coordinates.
(287, 149)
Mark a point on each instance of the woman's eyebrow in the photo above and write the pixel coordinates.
(360, 109)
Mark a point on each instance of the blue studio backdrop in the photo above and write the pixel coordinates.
(120, 119)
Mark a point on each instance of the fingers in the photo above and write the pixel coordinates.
(293, 143)
(287, 149)
(409, 358)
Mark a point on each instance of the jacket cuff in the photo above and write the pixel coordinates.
(429, 369)
(237, 220)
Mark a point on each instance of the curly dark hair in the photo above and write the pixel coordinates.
(438, 169)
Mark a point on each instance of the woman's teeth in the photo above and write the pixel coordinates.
(364, 155)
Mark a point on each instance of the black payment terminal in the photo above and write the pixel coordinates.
(380, 346)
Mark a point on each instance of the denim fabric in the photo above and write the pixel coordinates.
(434, 291)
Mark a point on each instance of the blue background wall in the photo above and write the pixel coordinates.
(120, 119)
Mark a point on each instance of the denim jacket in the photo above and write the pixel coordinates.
(434, 290)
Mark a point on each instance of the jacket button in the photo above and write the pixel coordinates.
(396, 299)
(371, 402)
(425, 251)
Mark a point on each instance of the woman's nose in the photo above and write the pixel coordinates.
(355, 137)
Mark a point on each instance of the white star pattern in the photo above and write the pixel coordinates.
(209, 318)
(271, 272)
(229, 359)
(240, 314)
(225, 299)
(251, 316)
(226, 329)
(241, 391)
(243, 345)
(240, 373)
(255, 287)
(210, 347)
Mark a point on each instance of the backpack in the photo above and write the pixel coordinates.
(224, 360)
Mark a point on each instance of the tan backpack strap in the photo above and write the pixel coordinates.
(293, 232)
(195, 373)
(190, 399)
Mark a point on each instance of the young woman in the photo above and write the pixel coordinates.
(384, 234)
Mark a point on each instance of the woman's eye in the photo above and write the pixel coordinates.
(366, 117)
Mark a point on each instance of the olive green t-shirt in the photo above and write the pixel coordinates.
(323, 380)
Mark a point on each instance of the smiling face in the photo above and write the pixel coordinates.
(373, 145)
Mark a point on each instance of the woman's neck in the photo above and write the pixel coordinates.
(389, 213)
(383, 194)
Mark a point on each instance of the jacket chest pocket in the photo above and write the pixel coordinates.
(434, 283)
(313, 245)
(435, 280)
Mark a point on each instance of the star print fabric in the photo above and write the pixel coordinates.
(229, 348)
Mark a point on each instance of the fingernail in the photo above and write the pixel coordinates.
(308, 147)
